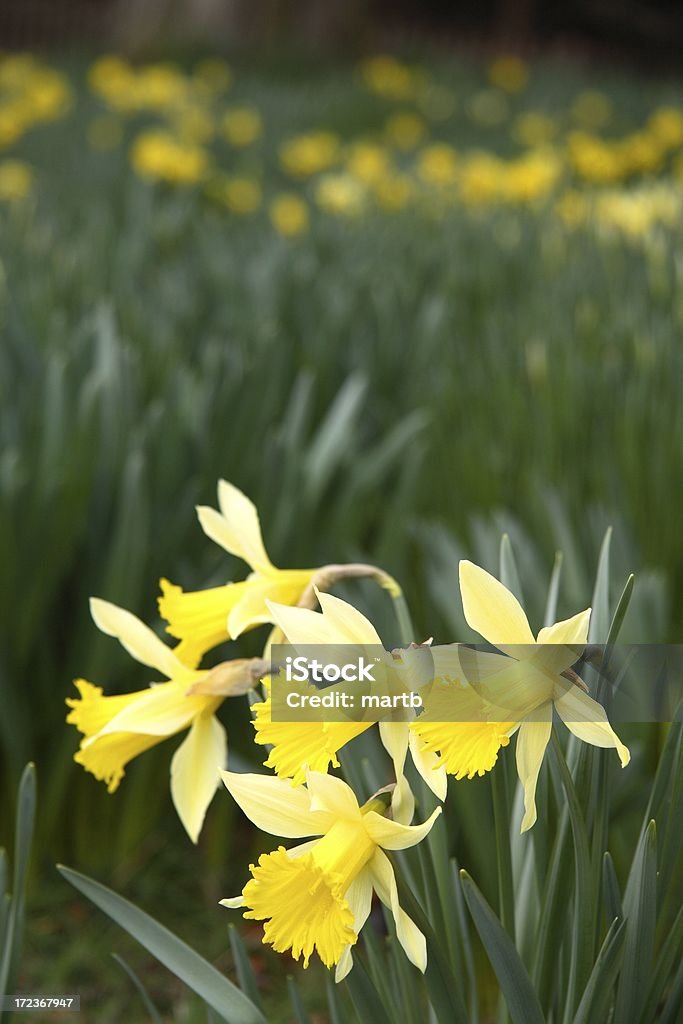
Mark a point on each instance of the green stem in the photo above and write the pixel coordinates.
(405, 623)
(501, 815)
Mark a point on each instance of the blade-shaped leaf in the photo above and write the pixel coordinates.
(640, 912)
(198, 974)
(518, 992)
(596, 998)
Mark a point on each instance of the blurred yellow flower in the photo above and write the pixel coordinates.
(105, 132)
(394, 191)
(340, 194)
(594, 159)
(666, 125)
(239, 194)
(388, 77)
(405, 130)
(635, 212)
(289, 214)
(591, 109)
(509, 72)
(531, 176)
(158, 155)
(573, 208)
(438, 165)
(192, 122)
(534, 129)
(12, 125)
(242, 126)
(159, 86)
(480, 179)
(305, 155)
(368, 162)
(16, 180)
(640, 153)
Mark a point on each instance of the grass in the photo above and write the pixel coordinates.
(401, 388)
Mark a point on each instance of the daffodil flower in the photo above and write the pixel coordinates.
(314, 745)
(202, 619)
(117, 729)
(317, 896)
(529, 683)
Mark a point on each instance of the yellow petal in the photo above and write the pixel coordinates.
(409, 935)
(429, 766)
(106, 757)
(332, 795)
(236, 527)
(284, 586)
(302, 626)
(395, 739)
(359, 899)
(199, 618)
(392, 835)
(275, 806)
(351, 626)
(569, 631)
(137, 638)
(491, 610)
(161, 711)
(532, 740)
(588, 721)
(195, 771)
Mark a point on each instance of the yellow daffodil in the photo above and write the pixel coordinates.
(529, 683)
(202, 619)
(158, 155)
(316, 897)
(298, 746)
(289, 214)
(117, 729)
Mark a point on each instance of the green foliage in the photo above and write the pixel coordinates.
(13, 900)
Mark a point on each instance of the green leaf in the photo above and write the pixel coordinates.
(198, 974)
(596, 998)
(366, 1000)
(610, 889)
(300, 1014)
(152, 1011)
(518, 992)
(13, 912)
(333, 1002)
(668, 956)
(245, 973)
(509, 576)
(640, 911)
(620, 612)
(584, 908)
(550, 615)
(331, 444)
(600, 618)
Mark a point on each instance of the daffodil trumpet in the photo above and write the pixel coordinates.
(316, 896)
